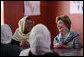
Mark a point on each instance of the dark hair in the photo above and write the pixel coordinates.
(9, 26)
(28, 18)
(65, 19)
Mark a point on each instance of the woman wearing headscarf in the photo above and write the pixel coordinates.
(21, 35)
(67, 38)
(6, 48)
(40, 40)
(6, 34)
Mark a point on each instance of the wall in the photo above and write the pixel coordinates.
(2, 13)
(14, 11)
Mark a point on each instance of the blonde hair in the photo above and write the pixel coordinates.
(65, 19)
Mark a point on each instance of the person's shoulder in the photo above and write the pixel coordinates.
(75, 33)
(10, 50)
(17, 30)
(13, 47)
(51, 54)
(25, 52)
(16, 33)
(57, 35)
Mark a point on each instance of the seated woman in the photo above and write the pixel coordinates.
(21, 35)
(66, 38)
(40, 40)
(6, 48)
(6, 34)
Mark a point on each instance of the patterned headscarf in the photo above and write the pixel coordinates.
(19, 35)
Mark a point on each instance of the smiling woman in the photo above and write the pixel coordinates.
(66, 38)
(21, 35)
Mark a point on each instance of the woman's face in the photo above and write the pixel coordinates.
(61, 26)
(28, 25)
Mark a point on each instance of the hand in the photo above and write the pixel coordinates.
(58, 45)
(24, 43)
(64, 46)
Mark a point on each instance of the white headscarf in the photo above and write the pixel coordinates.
(6, 34)
(40, 40)
(19, 33)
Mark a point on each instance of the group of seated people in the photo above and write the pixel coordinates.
(29, 40)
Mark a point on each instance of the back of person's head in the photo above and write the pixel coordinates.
(40, 40)
(6, 34)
